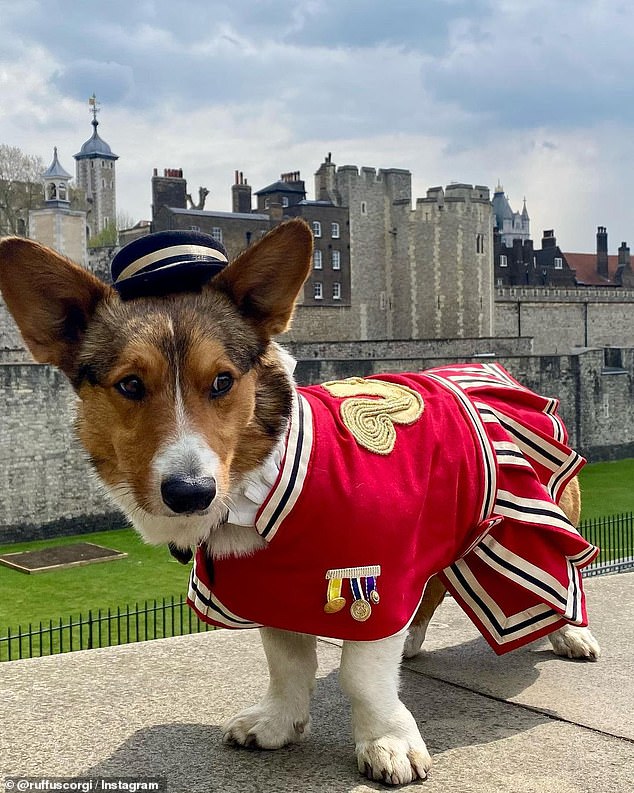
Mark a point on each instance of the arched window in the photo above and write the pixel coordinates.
(316, 228)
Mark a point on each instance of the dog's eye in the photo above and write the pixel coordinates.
(221, 385)
(131, 387)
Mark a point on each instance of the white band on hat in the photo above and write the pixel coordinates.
(168, 253)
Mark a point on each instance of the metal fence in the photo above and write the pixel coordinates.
(102, 628)
(173, 617)
(614, 535)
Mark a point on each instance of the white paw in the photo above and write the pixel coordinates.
(573, 642)
(414, 640)
(394, 761)
(265, 726)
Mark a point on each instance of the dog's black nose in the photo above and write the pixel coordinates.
(188, 493)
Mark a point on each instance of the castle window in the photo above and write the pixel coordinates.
(216, 233)
(267, 203)
(317, 264)
(316, 228)
(479, 243)
(334, 231)
(503, 261)
(559, 263)
(336, 260)
(284, 201)
(318, 290)
(336, 291)
(364, 208)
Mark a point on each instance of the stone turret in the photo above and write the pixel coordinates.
(96, 175)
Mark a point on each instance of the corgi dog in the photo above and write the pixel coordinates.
(189, 413)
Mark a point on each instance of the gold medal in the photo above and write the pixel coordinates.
(360, 610)
(334, 605)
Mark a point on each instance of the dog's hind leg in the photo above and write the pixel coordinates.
(572, 641)
(283, 716)
(388, 744)
(432, 598)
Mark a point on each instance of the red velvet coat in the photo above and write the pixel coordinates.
(389, 480)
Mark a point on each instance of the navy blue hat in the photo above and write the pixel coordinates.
(165, 262)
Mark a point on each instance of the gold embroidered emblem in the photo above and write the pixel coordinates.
(371, 408)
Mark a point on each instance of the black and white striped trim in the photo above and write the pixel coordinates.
(508, 453)
(488, 454)
(294, 468)
(208, 605)
(563, 463)
(532, 510)
(501, 628)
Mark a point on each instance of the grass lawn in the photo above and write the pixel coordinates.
(148, 572)
(607, 489)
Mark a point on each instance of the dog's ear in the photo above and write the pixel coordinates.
(266, 279)
(50, 298)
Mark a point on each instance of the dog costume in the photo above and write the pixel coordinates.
(388, 480)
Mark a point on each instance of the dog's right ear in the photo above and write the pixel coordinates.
(265, 280)
(50, 298)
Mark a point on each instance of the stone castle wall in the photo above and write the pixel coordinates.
(559, 320)
(48, 488)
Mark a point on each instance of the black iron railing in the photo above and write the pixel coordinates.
(102, 628)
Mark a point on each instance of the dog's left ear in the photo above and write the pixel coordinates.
(51, 299)
(265, 280)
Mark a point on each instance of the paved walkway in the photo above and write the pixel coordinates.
(525, 723)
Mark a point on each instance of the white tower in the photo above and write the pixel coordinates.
(96, 176)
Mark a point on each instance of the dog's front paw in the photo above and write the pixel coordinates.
(573, 642)
(265, 726)
(394, 761)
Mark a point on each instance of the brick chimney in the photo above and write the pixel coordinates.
(624, 255)
(624, 275)
(548, 239)
(168, 190)
(240, 194)
(602, 252)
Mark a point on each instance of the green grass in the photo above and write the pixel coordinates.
(148, 572)
(607, 489)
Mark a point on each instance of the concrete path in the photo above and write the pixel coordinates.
(524, 723)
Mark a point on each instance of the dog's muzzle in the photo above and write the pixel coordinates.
(188, 494)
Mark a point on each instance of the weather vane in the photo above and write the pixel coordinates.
(93, 107)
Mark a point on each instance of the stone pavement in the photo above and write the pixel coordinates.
(528, 722)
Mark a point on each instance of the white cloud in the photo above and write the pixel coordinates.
(535, 94)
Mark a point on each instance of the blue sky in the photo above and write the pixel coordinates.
(537, 94)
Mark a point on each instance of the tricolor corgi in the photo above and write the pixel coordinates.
(345, 509)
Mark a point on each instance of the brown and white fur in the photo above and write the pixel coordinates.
(192, 388)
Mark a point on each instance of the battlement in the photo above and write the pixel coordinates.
(456, 193)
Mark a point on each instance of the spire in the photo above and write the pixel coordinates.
(56, 179)
(525, 211)
(95, 146)
(94, 108)
(499, 188)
